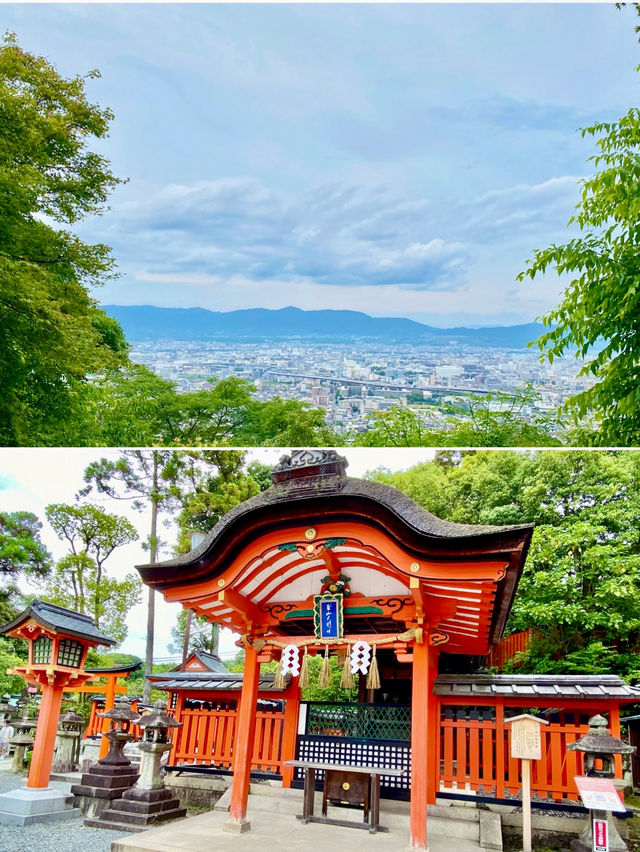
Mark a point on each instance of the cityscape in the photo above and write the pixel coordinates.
(351, 380)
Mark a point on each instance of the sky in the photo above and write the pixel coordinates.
(398, 159)
(31, 479)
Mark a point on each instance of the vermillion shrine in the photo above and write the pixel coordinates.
(324, 564)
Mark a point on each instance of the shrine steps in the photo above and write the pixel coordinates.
(275, 832)
(446, 820)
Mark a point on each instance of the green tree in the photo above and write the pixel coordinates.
(210, 482)
(193, 634)
(147, 478)
(598, 315)
(397, 427)
(502, 420)
(580, 589)
(79, 579)
(284, 423)
(52, 334)
(495, 420)
(22, 554)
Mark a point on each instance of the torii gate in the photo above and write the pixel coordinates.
(403, 579)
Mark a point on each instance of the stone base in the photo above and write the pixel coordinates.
(138, 810)
(26, 805)
(101, 785)
(237, 826)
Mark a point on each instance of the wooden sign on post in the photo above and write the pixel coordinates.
(526, 744)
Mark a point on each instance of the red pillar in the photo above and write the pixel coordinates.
(109, 704)
(433, 773)
(290, 732)
(245, 734)
(421, 720)
(45, 739)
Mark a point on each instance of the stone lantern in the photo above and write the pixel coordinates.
(58, 640)
(22, 740)
(598, 747)
(108, 779)
(148, 802)
(67, 750)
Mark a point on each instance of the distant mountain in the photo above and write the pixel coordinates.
(147, 322)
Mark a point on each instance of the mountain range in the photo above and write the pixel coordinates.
(148, 322)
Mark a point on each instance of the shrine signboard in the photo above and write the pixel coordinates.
(526, 742)
(599, 794)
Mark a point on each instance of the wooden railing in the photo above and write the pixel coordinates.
(207, 737)
(475, 755)
(508, 647)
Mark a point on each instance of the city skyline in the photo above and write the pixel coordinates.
(400, 160)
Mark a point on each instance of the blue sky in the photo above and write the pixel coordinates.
(396, 159)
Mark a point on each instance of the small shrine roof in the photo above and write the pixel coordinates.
(211, 663)
(209, 682)
(61, 620)
(122, 669)
(536, 686)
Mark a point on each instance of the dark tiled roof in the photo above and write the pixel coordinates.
(208, 681)
(343, 488)
(211, 661)
(536, 686)
(125, 667)
(58, 618)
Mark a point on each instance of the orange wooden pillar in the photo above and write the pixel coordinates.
(109, 704)
(433, 731)
(243, 746)
(421, 721)
(45, 739)
(290, 732)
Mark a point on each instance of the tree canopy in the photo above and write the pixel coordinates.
(580, 589)
(79, 580)
(52, 334)
(598, 315)
(495, 420)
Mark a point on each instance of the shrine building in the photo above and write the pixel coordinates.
(324, 564)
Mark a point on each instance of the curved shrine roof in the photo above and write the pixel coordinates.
(272, 551)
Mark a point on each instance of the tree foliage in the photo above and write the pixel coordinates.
(22, 554)
(580, 589)
(495, 420)
(598, 315)
(52, 334)
(79, 580)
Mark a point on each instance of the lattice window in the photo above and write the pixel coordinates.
(42, 650)
(69, 653)
(362, 721)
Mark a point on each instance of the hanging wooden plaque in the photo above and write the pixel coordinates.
(328, 616)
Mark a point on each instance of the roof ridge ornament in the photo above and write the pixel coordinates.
(309, 462)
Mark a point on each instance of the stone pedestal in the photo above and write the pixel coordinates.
(66, 750)
(146, 804)
(107, 780)
(584, 843)
(26, 805)
(21, 741)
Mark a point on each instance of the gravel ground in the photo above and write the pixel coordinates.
(67, 835)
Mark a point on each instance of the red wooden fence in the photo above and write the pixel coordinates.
(508, 647)
(475, 755)
(207, 737)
